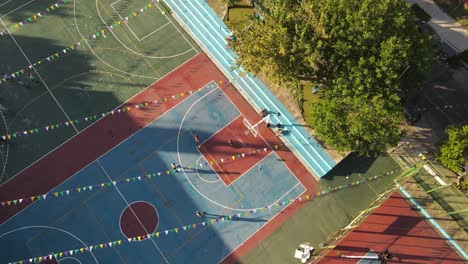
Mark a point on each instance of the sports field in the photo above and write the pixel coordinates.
(85, 58)
(100, 100)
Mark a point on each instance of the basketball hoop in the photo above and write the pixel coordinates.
(254, 128)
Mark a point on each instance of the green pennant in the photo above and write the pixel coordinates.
(14, 135)
(47, 9)
(36, 130)
(61, 193)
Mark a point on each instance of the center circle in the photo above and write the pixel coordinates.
(139, 219)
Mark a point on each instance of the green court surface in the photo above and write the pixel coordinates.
(85, 80)
(325, 215)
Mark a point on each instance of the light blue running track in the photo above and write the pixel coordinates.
(210, 33)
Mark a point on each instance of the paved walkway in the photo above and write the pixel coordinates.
(446, 27)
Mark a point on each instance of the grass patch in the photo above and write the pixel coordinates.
(454, 8)
(238, 16)
(309, 100)
(420, 13)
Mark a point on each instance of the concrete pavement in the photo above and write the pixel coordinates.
(446, 27)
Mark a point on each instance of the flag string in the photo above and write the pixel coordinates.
(123, 109)
(16, 26)
(92, 37)
(186, 228)
(147, 176)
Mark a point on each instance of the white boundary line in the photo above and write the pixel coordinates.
(129, 99)
(121, 18)
(5, 160)
(235, 79)
(196, 168)
(183, 170)
(99, 58)
(129, 207)
(7, 2)
(137, 53)
(139, 201)
(53, 228)
(39, 76)
(89, 164)
(73, 258)
(15, 8)
(251, 168)
(258, 230)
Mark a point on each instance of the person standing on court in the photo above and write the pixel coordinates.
(174, 167)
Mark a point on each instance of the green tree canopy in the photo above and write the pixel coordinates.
(357, 51)
(454, 150)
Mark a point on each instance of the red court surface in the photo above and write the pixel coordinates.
(218, 147)
(83, 149)
(395, 226)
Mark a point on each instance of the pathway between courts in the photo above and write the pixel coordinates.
(210, 32)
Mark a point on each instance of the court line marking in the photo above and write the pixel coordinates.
(249, 169)
(128, 205)
(237, 79)
(12, 11)
(94, 53)
(260, 229)
(139, 54)
(5, 159)
(196, 168)
(39, 76)
(183, 170)
(84, 167)
(139, 201)
(53, 228)
(264, 140)
(75, 259)
(121, 18)
(7, 2)
(98, 3)
(119, 106)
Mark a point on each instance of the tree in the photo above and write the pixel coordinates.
(231, 3)
(454, 150)
(354, 50)
(367, 126)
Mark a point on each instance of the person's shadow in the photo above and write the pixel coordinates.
(233, 218)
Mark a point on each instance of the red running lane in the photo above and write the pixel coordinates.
(395, 226)
(218, 147)
(90, 144)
